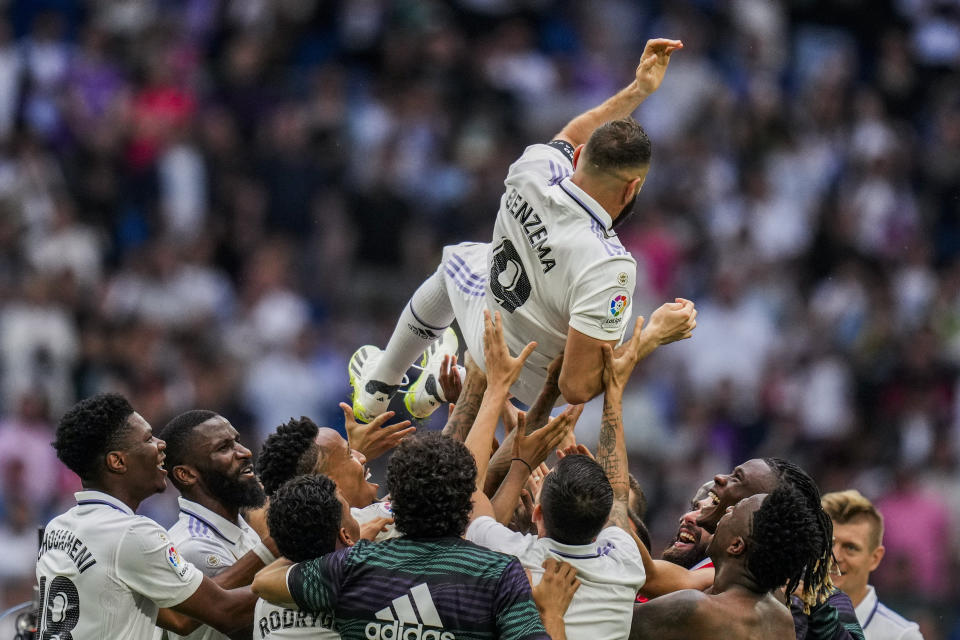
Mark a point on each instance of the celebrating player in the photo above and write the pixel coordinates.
(104, 571)
(555, 266)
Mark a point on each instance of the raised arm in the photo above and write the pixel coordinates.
(468, 402)
(538, 416)
(649, 75)
(502, 371)
(527, 454)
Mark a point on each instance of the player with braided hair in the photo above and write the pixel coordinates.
(760, 544)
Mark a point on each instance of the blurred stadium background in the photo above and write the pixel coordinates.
(212, 203)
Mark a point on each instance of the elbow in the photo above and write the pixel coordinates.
(575, 392)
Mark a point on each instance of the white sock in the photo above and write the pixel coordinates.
(424, 319)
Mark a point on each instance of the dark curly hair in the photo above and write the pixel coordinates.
(817, 584)
(288, 452)
(784, 535)
(89, 430)
(304, 517)
(431, 479)
(576, 499)
(176, 434)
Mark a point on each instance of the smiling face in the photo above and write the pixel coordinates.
(347, 467)
(856, 555)
(750, 478)
(223, 466)
(143, 455)
(690, 544)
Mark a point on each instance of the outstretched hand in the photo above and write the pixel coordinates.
(373, 440)
(534, 448)
(502, 368)
(653, 63)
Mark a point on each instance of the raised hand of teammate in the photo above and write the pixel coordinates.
(672, 321)
(449, 379)
(373, 439)
(533, 449)
(503, 369)
(653, 63)
(617, 366)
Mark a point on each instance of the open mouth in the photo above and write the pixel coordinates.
(367, 474)
(247, 471)
(714, 498)
(162, 464)
(685, 537)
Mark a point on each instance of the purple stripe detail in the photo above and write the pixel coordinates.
(584, 206)
(428, 326)
(469, 291)
(109, 504)
(209, 526)
(466, 269)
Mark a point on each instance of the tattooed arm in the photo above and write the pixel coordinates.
(468, 404)
(611, 447)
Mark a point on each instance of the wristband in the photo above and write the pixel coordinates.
(524, 462)
(264, 553)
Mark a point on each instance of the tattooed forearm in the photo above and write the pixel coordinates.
(612, 456)
(466, 409)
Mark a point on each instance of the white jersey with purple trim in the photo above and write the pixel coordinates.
(271, 622)
(610, 570)
(553, 263)
(104, 572)
(377, 510)
(211, 543)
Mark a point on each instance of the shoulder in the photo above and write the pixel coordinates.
(893, 620)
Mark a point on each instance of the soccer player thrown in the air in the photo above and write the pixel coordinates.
(554, 267)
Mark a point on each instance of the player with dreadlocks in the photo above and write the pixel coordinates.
(821, 612)
(762, 543)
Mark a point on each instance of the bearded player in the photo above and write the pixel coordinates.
(555, 267)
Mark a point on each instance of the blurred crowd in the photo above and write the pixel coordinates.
(212, 203)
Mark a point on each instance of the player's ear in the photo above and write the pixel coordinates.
(345, 539)
(876, 556)
(184, 475)
(737, 546)
(116, 462)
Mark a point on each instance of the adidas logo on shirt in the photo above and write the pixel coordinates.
(403, 622)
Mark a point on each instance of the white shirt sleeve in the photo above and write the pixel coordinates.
(487, 532)
(622, 548)
(601, 302)
(206, 555)
(149, 563)
(541, 164)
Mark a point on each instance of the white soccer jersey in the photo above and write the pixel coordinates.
(105, 571)
(882, 623)
(610, 571)
(211, 543)
(553, 263)
(276, 623)
(377, 510)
